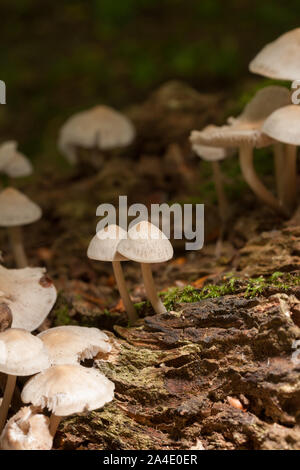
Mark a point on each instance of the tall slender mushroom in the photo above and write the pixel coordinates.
(13, 163)
(66, 390)
(103, 247)
(146, 244)
(21, 354)
(17, 210)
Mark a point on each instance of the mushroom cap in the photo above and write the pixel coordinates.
(21, 353)
(283, 125)
(68, 389)
(101, 127)
(145, 243)
(280, 58)
(230, 137)
(71, 344)
(29, 294)
(27, 430)
(17, 209)
(211, 154)
(103, 246)
(12, 162)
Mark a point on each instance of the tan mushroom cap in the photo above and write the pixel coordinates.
(103, 246)
(145, 243)
(12, 162)
(101, 127)
(280, 58)
(21, 353)
(211, 154)
(27, 430)
(29, 294)
(71, 344)
(17, 209)
(68, 389)
(284, 125)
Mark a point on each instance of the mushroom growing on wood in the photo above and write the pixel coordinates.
(68, 389)
(17, 210)
(146, 244)
(13, 163)
(21, 354)
(72, 344)
(27, 430)
(103, 247)
(29, 294)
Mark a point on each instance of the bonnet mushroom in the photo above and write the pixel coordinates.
(21, 354)
(17, 210)
(146, 244)
(103, 247)
(72, 344)
(27, 430)
(29, 294)
(100, 127)
(66, 390)
(13, 163)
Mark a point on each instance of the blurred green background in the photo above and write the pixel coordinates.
(59, 57)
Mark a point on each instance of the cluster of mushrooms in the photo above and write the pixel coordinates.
(268, 120)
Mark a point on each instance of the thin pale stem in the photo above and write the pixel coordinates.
(16, 239)
(279, 160)
(290, 177)
(119, 276)
(151, 290)
(54, 423)
(7, 397)
(222, 199)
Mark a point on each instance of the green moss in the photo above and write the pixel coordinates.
(62, 316)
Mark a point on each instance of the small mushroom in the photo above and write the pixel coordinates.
(66, 390)
(29, 295)
(27, 430)
(146, 244)
(13, 163)
(100, 127)
(103, 247)
(72, 344)
(21, 354)
(17, 210)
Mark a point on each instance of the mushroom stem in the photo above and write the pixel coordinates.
(119, 276)
(151, 290)
(54, 423)
(8, 393)
(290, 178)
(250, 175)
(279, 159)
(15, 235)
(222, 199)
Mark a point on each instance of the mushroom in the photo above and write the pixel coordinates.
(27, 430)
(21, 354)
(29, 294)
(71, 344)
(66, 390)
(283, 126)
(100, 127)
(146, 244)
(17, 210)
(103, 247)
(13, 163)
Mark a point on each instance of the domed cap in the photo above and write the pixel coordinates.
(29, 294)
(101, 127)
(211, 154)
(280, 58)
(68, 389)
(27, 430)
(145, 243)
(71, 344)
(12, 162)
(17, 209)
(284, 124)
(103, 246)
(21, 353)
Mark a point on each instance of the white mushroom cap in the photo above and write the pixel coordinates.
(17, 209)
(12, 162)
(284, 125)
(68, 389)
(27, 430)
(230, 137)
(101, 127)
(71, 344)
(103, 246)
(145, 243)
(211, 154)
(280, 58)
(22, 353)
(29, 294)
